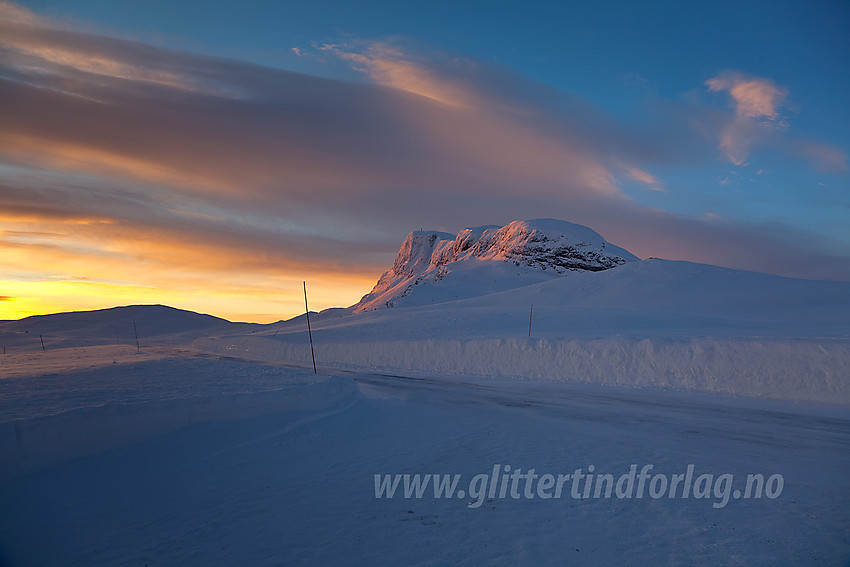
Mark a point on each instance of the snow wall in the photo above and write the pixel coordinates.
(806, 370)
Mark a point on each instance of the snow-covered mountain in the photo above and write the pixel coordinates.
(550, 300)
(433, 267)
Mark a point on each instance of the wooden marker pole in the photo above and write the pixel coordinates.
(530, 314)
(309, 332)
(42, 342)
(136, 332)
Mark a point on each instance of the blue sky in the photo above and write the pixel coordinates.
(303, 140)
(610, 52)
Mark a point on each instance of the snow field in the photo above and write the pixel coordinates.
(297, 487)
(51, 418)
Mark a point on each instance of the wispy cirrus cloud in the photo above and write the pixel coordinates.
(644, 177)
(10, 12)
(825, 158)
(389, 66)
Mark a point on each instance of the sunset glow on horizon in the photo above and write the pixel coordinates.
(149, 157)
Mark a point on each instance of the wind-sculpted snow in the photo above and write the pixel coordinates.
(793, 370)
(489, 258)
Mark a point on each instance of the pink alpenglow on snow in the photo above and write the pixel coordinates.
(519, 253)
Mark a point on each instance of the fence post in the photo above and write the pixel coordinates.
(309, 332)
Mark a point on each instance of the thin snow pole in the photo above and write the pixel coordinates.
(309, 332)
(136, 332)
(42, 342)
(530, 314)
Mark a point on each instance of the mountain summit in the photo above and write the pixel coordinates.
(486, 259)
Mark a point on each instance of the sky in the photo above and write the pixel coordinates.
(213, 155)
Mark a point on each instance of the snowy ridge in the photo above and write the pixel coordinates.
(489, 258)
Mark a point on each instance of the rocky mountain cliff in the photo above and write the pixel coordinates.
(489, 258)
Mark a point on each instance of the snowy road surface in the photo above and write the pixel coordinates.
(196, 460)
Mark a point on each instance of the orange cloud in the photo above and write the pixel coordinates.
(390, 67)
(49, 47)
(644, 177)
(756, 101)
(13, 13)
(496, 136)
(754, 97)
(74, 157)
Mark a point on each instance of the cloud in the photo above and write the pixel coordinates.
(387, 65)
(758, 120)
(756, 102)
(649, 180)
(6, 298)
(753, 97)
(130, 163)
(76, 63)
(764, 246)
(825, 158)
(20, 15)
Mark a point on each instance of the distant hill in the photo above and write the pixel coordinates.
(108, 326)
